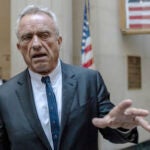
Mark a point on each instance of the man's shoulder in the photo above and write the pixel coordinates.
(79, 72)
(77, 68)
(12, 81)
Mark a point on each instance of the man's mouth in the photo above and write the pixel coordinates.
(39, 55)
(39, 58)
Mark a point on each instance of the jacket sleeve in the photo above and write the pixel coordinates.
(104, 105)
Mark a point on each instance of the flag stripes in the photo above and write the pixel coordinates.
(87, 59)
(138, 15)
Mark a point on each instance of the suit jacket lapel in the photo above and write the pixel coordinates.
(25, 95)
(68, 94)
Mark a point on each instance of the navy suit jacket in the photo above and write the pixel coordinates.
(84, 96)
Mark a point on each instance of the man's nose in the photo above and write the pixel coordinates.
(36, 44)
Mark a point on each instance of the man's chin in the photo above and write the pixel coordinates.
(42, 68)
(42, 71)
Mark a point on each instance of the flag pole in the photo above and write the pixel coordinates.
(87, 5)
(87, 58)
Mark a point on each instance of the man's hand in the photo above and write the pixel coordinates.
(125, 116)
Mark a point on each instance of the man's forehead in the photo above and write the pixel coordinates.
(36, 21)
(33, 19)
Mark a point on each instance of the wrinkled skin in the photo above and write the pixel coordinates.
(39, 42)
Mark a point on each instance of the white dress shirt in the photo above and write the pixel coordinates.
(40, 98)
(1, 81)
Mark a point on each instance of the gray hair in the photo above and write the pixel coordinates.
(33, 9)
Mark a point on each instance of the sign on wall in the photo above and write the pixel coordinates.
(134, 72)
(135, 16)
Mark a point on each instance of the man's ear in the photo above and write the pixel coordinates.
(60, 40)
(18, 46)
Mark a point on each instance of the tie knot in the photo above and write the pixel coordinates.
(46, 79)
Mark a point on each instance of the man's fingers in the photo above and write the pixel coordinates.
(124, 116)
(136, 112)
(143, 123)
(122, 106)
(99, 122)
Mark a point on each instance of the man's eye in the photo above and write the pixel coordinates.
(26, 37)
(44, 35)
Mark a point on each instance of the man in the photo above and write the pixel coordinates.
(83, 103)
(2, 81)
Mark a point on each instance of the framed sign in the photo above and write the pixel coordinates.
(135, 16)
(134, 72)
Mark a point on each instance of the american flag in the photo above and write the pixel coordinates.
(87, 59)
(138, 14)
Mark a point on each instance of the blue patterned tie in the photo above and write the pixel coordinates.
(53, 112)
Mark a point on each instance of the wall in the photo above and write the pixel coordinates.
(5, 39)
(111, 49)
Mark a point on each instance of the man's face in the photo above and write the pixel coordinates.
(39, 42)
